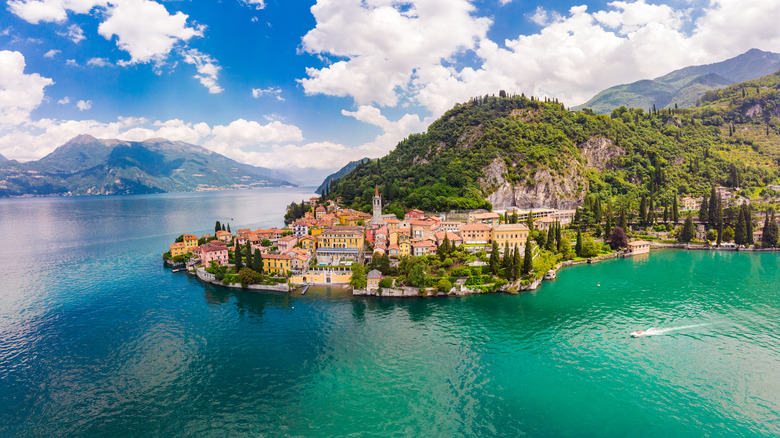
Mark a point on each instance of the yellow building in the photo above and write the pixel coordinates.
(404, 249)
(341, 237)
(178, 248)
(514, 234)
(190, 241)
(352, 221)
(476, 234)
(309, 243)
(276, 264)
(323, 276)
(316, 231)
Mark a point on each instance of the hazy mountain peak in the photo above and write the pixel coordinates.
(683, 87)
(82, 139)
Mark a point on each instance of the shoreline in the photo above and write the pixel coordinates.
(411, 292)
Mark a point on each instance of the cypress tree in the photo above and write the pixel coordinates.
(740, 232)
(223, 227)
(239, 261)
(608, 225)
(688, 232)
(666, 213)
(675, 210)
(704, 214)
(249, 263)
(748, 224)
(558, 238)
(228, 227)
(719, 220)
(217, 227)
(642, 209)
(578, 245)
(257, 261)
(530, 220)
(495, 260)
(550, 244)
(623, 219)
(713, 207)
(765, 231)
(528, 261)
(508, 260)
(518, 264)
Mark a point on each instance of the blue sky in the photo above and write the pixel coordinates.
(308, 85)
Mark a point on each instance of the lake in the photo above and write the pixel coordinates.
(97, 338)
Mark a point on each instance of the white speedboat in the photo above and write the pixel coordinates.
(638, 334)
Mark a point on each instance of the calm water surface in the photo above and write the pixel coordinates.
(98, 339)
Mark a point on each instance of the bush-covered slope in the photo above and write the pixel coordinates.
(515, 151)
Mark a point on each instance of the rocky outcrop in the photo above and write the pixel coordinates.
(563, 190)
(599, 151)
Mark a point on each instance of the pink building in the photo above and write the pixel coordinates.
(214, 251)
(287, 243)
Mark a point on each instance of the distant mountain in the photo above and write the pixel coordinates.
(341, 172)
(86, 165)
(685, 86)
(3, 159)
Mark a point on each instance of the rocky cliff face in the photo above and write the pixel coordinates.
(549, 189)
(562, 191)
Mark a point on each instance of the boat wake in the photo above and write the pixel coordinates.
(662, 331)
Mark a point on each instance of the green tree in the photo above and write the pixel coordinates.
(358, 280)
(444, 248)
(642, 209)
(558, 236)
(239, 261)
(495, 259)
(515, 219)
(719, 219)
(688, 232)
(550, 244)
(704, 213)
(748, 223)
(666, 213)
(578, 245)
(517, 268)
(248, 276)
(608, 225)
(590, 248)
(740, 232)
(217, 227)
(623, 219)
(507, 261)
(417, 275)
(675, 210)
(728, 234)
(249, 261)
(444, 285)
(529, 221)
(528, 258)
(257, 262)
(713, 207)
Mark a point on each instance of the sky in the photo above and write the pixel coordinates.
(307, 86)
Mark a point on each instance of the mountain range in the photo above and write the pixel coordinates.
(683, 88)
(86, 165)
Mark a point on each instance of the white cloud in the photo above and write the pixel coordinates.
(72, 63)
(543, 18)
(20, 93)
(35, 11)
(390, 52)
(145, 30)
(51, 53)
(99, 62)
(84, 105)
(208, 70)
(272, 91)
(385, 42)
(65, 100)
(257, 4)
(74, 33)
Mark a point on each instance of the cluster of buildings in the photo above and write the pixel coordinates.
(335, 237)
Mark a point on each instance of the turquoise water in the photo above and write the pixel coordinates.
(98, 339)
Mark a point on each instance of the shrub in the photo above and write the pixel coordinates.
(385, 282)
(444, 285)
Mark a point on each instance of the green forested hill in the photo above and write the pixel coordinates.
(530, 153)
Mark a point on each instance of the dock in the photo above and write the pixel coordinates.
(305, 289)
